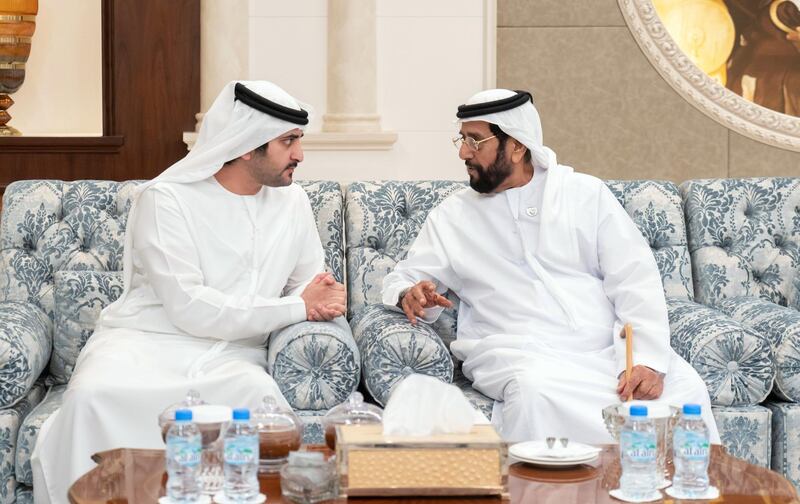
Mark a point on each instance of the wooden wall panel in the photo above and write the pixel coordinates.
(151, 88)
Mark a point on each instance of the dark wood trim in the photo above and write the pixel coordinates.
(107, 30)
(51, 145)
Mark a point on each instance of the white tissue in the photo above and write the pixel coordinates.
(421, 405)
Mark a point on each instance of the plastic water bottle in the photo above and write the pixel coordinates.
(183, 459)
(638, 449)
(241, 458)
(691, 453)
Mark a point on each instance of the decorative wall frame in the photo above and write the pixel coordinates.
(702, 91)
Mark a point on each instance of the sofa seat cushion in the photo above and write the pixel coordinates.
(785, 441)
(25, 345)
(79, 296)
(735, 362)
(11, 420)
(782, 326)
(746, 432)
(30, 430)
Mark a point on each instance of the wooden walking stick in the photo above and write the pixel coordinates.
(628, 335)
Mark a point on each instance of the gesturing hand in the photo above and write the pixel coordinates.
(422, 295)
(645, 384)
(325, 298)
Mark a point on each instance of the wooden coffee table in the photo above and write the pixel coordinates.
(137, 476)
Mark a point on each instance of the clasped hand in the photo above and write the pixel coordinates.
(325, 298)
(420, 296)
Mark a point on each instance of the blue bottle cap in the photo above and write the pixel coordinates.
(183, 415)
(639, 410)
(691, 409)
(241, 414)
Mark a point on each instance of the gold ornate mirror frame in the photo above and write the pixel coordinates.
(703, 92)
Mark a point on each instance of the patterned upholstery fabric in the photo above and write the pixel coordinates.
(382, 220)
(30, 430)
(391, 349)
(735, 362)
(10, 421)
(657, 210)
(744, 237)
(79, 296)
(24, 494)
(785, 440)
(745, 432)
(316, 364)
(312, 426)
(782, 327)
(327, 202)
(24, 348)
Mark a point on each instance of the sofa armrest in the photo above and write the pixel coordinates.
(315, 364)
(392, 348)
(25, 345)
(781, 326)
(735, 362)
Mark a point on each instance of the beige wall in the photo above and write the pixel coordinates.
(605, 110)
(63, 90)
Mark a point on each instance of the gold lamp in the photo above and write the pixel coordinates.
(17, 24)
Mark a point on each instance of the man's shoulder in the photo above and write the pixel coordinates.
(454, 204)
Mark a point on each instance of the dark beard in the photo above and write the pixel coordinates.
(487, 179)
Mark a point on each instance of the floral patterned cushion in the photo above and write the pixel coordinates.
(735, 362)
(657, 210)
(382, 220)
(24, 348)
(744, 237)
(745, 432)
(315, 364)
(782, 327)
(10, 421)
(476, 399)
(391, 349)
(79, 296)
(785, 441)
(30, 430)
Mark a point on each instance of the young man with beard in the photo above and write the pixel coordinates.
(548, 267)
(221, 249)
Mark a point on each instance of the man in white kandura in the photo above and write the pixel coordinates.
(548, 267)
(220, 250)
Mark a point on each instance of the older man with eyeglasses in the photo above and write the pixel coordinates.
(548, 267)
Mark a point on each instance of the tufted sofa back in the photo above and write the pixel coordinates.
(50, 225)
(657, 210)
(744, 237)
(383, 219)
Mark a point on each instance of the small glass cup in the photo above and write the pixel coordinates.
(280, 431)
(167, 417)
(308, 478)
(352, 411)
(211, 420)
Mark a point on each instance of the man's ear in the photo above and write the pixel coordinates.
(247, 156)
(518, 153)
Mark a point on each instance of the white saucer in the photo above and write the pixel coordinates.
(537, 452)
(204, 499)
(219, 498)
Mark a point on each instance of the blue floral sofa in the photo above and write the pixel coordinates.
(60, 261)
(740, 346)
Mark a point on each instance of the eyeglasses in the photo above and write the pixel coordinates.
(473, 144)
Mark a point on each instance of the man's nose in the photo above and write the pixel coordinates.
(465, 152)
(297, 152)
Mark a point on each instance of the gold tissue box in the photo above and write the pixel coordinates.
(371, 464)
